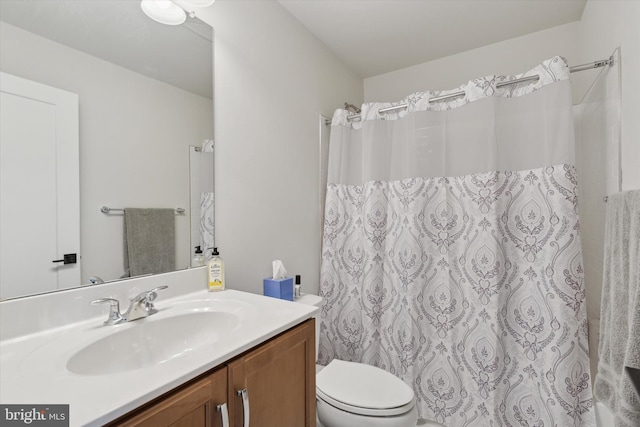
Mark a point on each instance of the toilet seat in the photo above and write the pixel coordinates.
(363, 389)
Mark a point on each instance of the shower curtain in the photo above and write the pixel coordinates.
(451, 252)
(207, 200)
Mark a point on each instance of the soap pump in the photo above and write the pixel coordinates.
(198, 258)
(215, 268)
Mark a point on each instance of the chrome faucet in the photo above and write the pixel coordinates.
(142, 305)
(139, 306)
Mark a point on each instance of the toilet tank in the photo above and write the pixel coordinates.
(314, 300)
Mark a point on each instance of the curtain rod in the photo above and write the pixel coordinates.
(589, 66)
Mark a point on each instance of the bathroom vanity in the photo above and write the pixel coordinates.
(276, 380)
(200, 357)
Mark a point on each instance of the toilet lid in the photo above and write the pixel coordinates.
(363, 389)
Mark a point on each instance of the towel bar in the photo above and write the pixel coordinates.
(107, 209)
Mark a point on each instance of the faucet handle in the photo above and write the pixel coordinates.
(149, 295)
(114, 310)
(147, 298)
(152, 294)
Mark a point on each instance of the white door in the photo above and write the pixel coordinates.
(39, 187)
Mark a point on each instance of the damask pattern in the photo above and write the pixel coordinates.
(468, 288)
(207, 207)
(207, 226)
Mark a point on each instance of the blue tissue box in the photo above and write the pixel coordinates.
(282, 288)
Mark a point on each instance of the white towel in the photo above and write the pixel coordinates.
(620, 310)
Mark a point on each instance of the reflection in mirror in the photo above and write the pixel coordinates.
(144, 97)
(201, 187)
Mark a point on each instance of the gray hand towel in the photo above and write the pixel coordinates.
(149, 241)
(620, 310)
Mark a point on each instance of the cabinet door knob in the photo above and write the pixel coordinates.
(245, 405)
(224, 413)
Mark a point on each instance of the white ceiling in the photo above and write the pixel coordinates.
(119, 32)
(374, 37)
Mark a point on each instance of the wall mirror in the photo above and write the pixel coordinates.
(145, 112)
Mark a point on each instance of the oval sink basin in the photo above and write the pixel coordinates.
(152, 342)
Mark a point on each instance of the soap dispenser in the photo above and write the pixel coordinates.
(198, 258)
(215, 268)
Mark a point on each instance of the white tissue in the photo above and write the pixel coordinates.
(279, 272)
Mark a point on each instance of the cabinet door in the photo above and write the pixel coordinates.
(193, 406)
(280, 381)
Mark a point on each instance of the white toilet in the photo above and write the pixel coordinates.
(352, 394)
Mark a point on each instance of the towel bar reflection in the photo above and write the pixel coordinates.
(107, 209)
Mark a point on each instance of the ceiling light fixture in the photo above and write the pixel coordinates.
(164, 11)
(192, 6)
(198, 3)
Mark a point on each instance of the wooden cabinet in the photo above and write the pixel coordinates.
(280, 380)
(192, 406)
(273, 384)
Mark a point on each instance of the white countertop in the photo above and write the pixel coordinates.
(33, 368)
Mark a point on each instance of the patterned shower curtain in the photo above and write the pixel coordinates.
(451, 252)
(207, 201)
